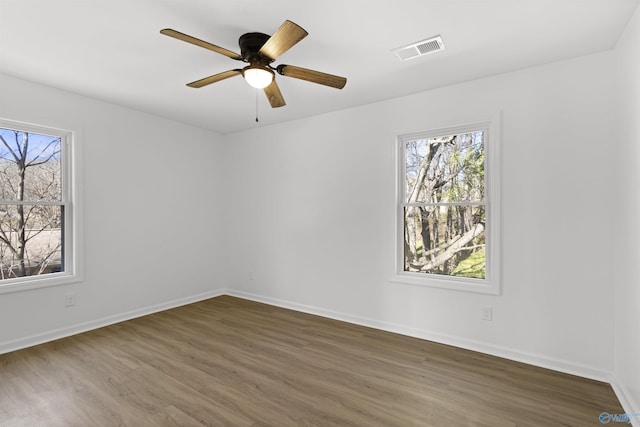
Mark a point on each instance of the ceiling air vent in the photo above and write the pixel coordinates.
(424, 47)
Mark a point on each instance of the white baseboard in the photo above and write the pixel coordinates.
(542, 361)
(55, 334)
(626, 400)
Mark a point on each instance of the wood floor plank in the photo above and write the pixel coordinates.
(229, 361)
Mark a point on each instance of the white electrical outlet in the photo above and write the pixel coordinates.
(69, 300)
(487, 313)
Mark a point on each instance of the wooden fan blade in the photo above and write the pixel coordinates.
(274, 95)
(186, 38)
(283, 39)
(312, 76)
(214, 78)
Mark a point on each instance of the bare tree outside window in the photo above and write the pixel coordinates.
(31, 204)
(445, 205)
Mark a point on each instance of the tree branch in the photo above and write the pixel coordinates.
(6, 144)
(453, 248)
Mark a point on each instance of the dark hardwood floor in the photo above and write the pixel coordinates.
(232, 362)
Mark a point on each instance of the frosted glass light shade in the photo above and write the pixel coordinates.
(258, 77)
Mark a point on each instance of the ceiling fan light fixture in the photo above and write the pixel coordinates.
(259, 50)
(258, 76)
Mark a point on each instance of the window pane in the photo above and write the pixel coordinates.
(445, 169)
(30, 240)
(448, 240)
(30, 166)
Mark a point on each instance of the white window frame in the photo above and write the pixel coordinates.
(71, 195)
(491, 284)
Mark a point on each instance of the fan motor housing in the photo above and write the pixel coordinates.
(250, 45)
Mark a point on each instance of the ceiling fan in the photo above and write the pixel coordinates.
(259, 51)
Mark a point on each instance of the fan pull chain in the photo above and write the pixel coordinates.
(257, 106)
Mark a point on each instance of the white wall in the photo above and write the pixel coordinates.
(312, 216)
(152, 208)
(626, 204)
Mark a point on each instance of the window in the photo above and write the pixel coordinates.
(37, 211)
(447, 208)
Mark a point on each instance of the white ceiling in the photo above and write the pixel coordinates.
(112, 49)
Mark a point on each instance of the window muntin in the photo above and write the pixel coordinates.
(36, 215)
(447, 230)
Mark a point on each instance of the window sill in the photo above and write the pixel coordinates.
(446, 282)
(37, 282)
